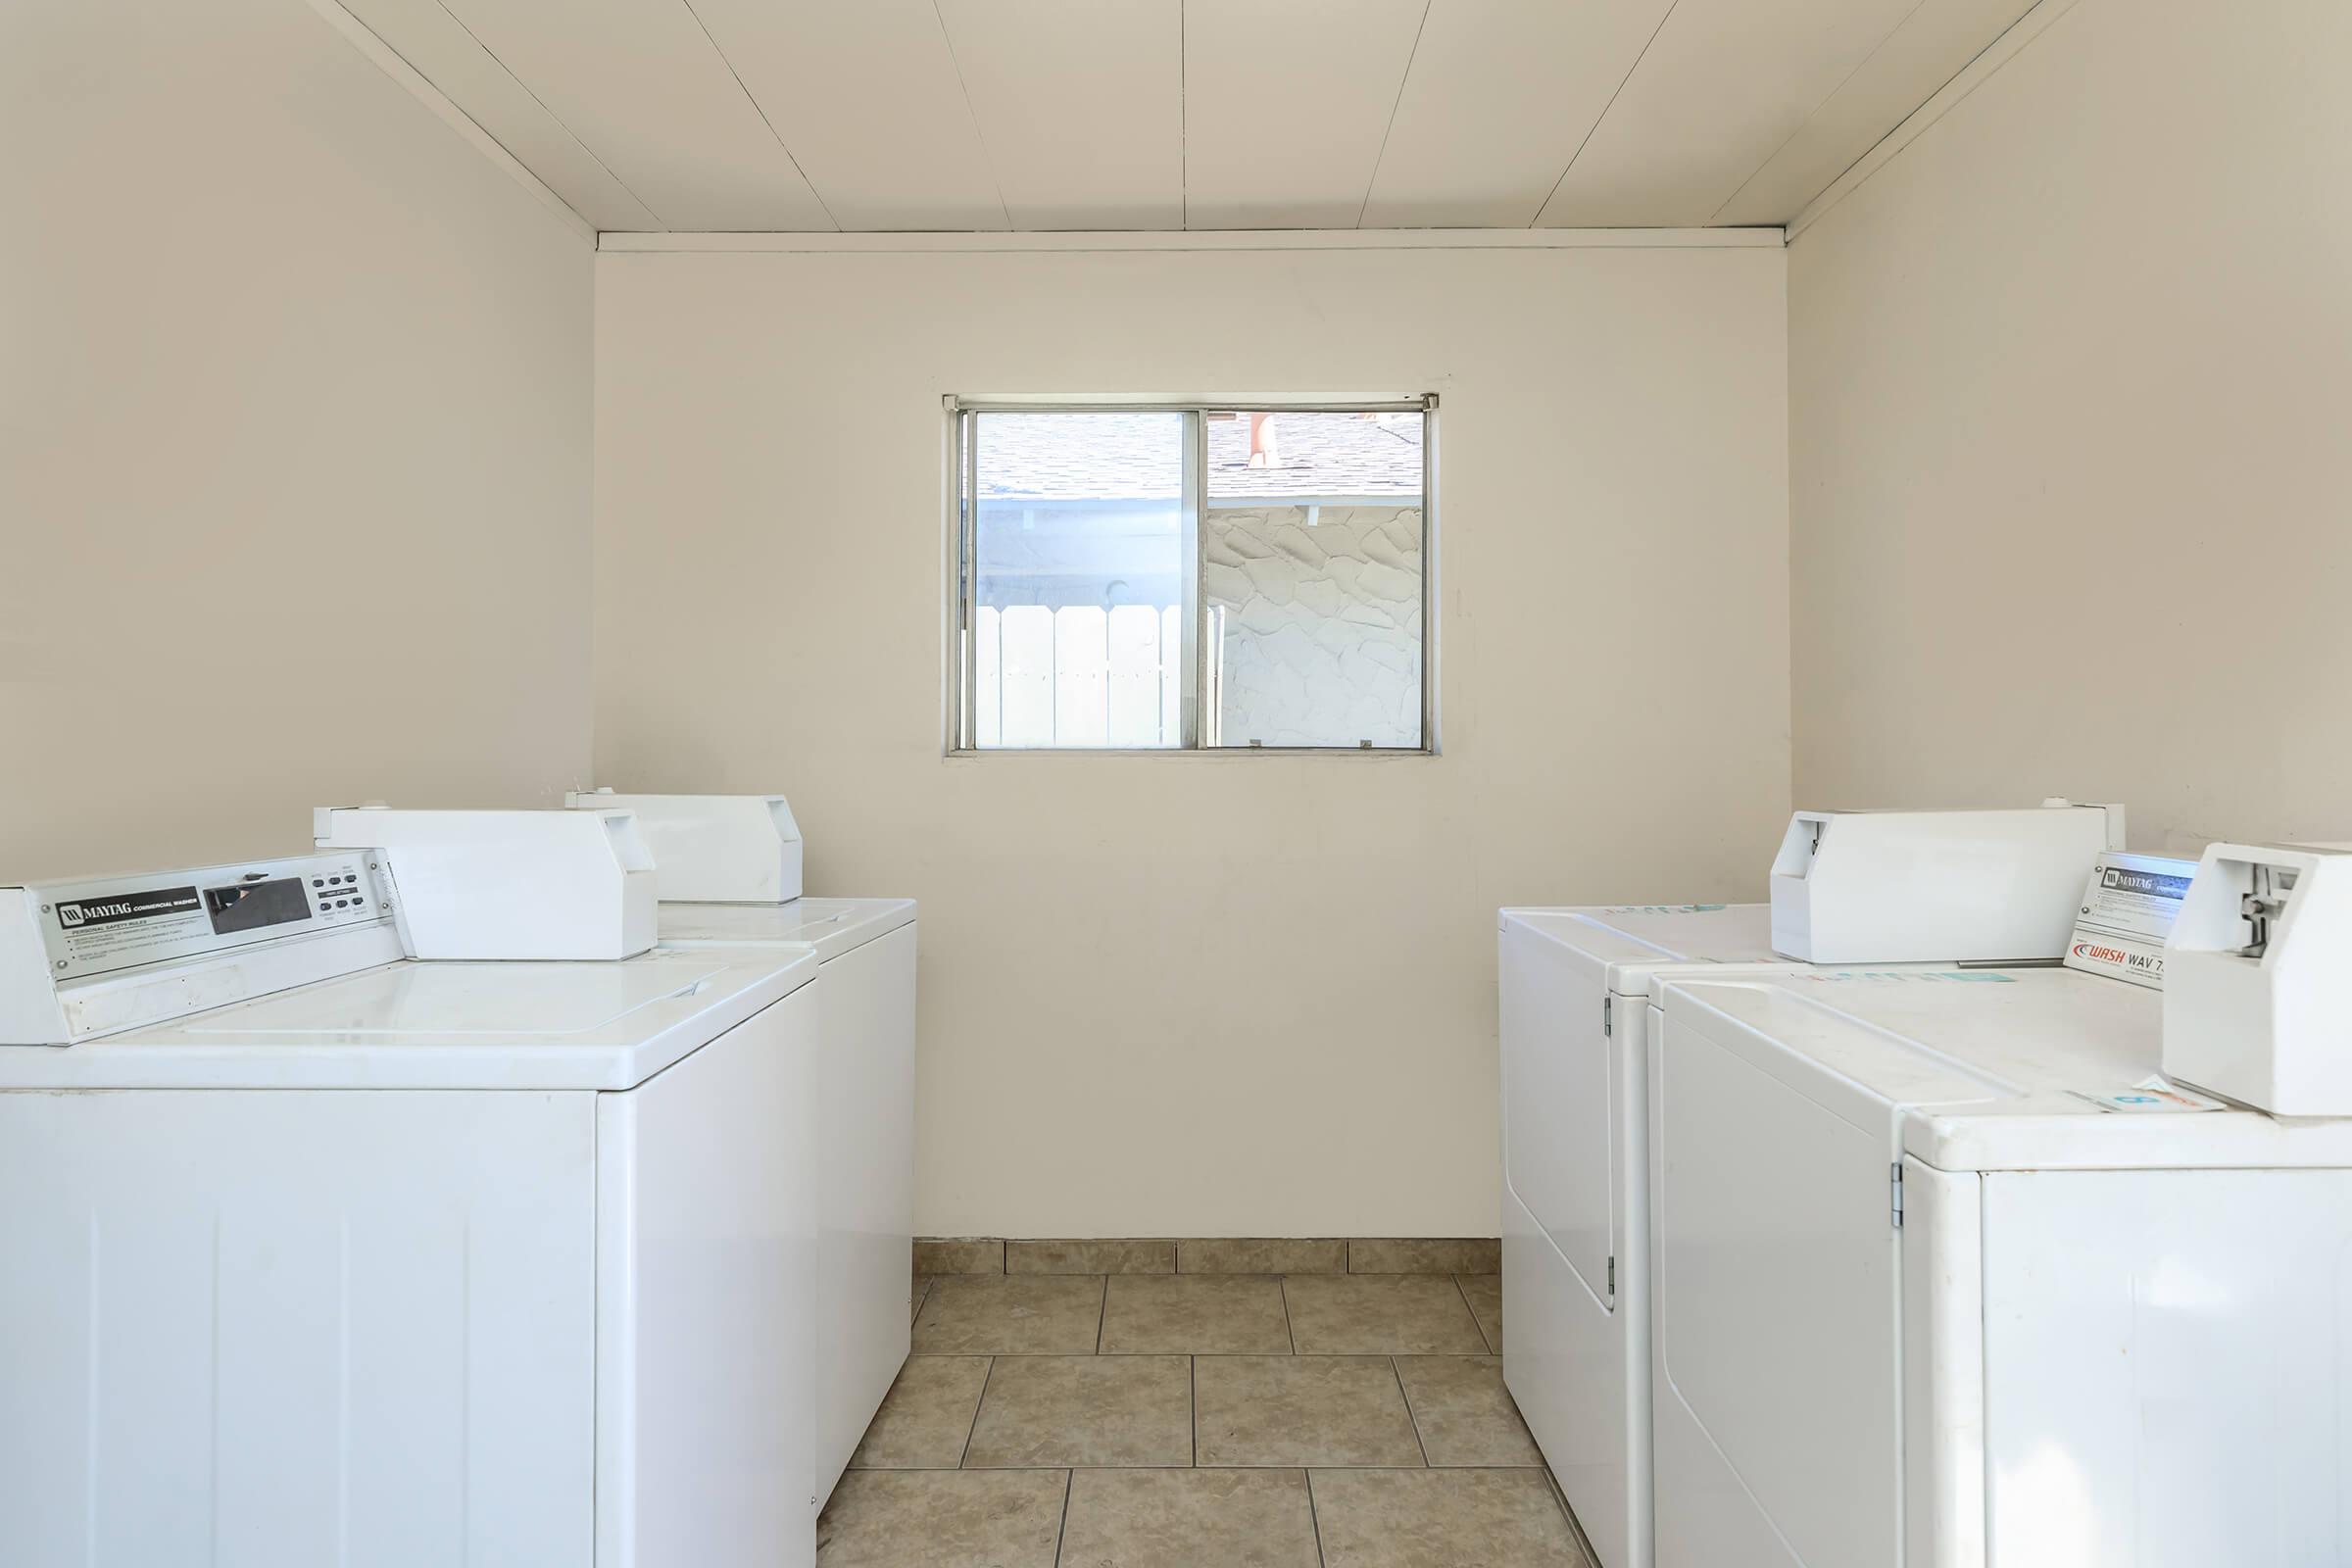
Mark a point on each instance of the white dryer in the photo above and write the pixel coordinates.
(314, 1253)
(1937, 1282)
(864, 1091)
(1576, 1022)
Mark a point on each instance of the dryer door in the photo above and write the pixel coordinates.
(1561, 1101)
(1776, 1304)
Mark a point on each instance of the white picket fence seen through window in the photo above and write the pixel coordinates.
(1082, 675)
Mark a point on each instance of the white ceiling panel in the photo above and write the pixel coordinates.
(1720, 89)
(966, 115)
(866, 93)
(1286, 103)
(441, 51)
(1081, 105)
(641, 85)
(1503, 93)
(1928, 50)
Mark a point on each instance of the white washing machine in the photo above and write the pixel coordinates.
(727, 869)
(1941, 1278)
(1576, 1021)
(317, 1254)
(863, 1090)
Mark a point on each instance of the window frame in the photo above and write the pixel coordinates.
(963, 585)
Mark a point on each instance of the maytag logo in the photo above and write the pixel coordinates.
(75, 913)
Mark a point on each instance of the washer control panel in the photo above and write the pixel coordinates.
(99, 925)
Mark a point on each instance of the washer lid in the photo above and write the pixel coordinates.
(1630, 940)
(441, 1025)
(831, 926)
(1988, 1067)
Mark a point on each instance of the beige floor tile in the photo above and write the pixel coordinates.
(1301, 1411)
(958, 1255)
(1190, 1519)
(1440, 1519)
(926, 1416)
(1261, 1255)
(1463, 1413)
(1010, 1314)
(1464, 1255)
(1380, 1314)
(1194, 1314)
(1084, 1410)
(942, 1519)
(1090, 1258)
(1483, 1291)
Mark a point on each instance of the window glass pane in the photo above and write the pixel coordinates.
(1311, 579)
(1078, 585)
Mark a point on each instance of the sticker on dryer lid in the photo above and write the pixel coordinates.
(2127, 912)
(2153, 1093)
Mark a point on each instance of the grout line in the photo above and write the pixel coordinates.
(1595, 128)
(1196, 1396)
(1403, 77)
(1412, 1419)
(1575, 1530)
(1061, 1533)
(976, 1409)
(760, 109)
(1102, 1313)
(1475, 1320)
(1313, 1518)
(1285, 1285)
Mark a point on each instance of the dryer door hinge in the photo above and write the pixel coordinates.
(1609, 1016)
(1894, 1192)
(1612, 1277)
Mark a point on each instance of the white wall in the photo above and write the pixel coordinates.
(295, 423)
(1211, 995)
(2072, 435)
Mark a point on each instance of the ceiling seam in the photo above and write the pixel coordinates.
(1184, 122)
(987, 159)
(1595, 128)
(460, 23)
(1814, 113)
(1390, 130)
(752, 99)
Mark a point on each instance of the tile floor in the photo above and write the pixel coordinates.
(1171, 1420)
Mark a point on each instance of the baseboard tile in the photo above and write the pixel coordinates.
(1264, 1255)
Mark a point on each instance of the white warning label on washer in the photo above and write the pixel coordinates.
(112, 930)
(2128, 910)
